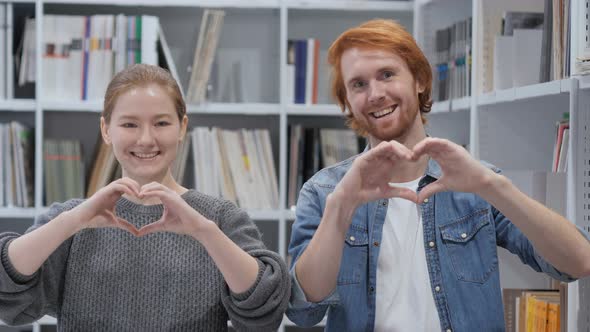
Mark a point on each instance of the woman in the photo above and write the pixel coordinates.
(143, 253)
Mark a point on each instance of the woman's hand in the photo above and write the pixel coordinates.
(98, 211)
(178, 216)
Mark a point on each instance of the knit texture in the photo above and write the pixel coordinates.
(108, 280)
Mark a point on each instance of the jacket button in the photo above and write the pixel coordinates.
(464, 235)
(352, 238)
(376, 244)
(426, 200)
(437, 288)
(384, 203)
(431, 244)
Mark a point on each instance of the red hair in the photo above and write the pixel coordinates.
(386, 35)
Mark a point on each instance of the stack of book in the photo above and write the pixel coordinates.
(16, 165)
(63, 170)
(561, 147)
(452, 70)
(237, 165)
(83, 53)
(303, 58)
(311, 149)
(209, 32)
(532, 310)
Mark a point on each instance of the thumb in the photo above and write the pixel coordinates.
(430, 190)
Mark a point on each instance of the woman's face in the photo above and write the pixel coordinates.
(145, 132)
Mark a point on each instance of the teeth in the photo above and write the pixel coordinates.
(383, 112)
(145, 155)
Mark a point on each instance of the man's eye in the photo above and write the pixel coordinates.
(387, 74)
(162, 123)
(128, 125)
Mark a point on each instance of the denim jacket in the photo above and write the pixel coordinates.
(461, 232)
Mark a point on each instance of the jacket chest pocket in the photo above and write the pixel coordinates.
(471, 246)
(354, 256)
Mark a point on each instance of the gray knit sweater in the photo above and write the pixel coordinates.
(108, 280)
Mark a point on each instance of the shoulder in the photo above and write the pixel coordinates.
(212, 207)
(331, 175)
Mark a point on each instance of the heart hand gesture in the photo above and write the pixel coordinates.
(98, 211)
(460, 171)
(178, 217)
(367, 179)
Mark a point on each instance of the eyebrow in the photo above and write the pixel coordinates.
(157, 116)
(391, 67)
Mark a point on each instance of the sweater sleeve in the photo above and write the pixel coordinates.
(261, 308)
(25, 299)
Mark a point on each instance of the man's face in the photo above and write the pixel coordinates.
(382, 93)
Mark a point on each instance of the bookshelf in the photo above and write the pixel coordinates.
(486, 121)
(514, 128)
(256, 31)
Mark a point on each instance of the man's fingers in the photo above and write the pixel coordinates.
(430, 190)
(402, 192)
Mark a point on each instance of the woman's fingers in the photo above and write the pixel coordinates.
(155, 227)
(122, 223)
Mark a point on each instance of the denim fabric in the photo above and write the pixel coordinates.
(461, 234)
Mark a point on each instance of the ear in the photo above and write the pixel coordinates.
(183, 126)
(104, 131)
(419, 87)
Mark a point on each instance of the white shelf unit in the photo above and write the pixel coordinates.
(512, 128)
(515, 128)
(259, 28)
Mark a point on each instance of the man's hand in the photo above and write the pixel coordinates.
(460, 171)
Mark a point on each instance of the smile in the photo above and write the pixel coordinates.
(382, 113)
(145, 155)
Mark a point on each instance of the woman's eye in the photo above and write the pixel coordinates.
(162, 123)
(128, 125)
(358, 84)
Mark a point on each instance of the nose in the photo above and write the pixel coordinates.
(146, 137)
(376, 93)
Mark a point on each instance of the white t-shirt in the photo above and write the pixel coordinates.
(404, 300)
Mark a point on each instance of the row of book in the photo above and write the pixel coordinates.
(16, 165)
(81, 54)
(303, 59)
(5, 32)
(452, 70)
(237, 165)
(524, 43)
(63, 168)
(533, 310)
(209, 32)
(518, 51)
(311, 149)
(561, 147)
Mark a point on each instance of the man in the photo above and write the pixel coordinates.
(403, 236)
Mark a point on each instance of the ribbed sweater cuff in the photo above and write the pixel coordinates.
(244, 295)
(16, 276)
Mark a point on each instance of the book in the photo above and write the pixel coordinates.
(205, 50)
